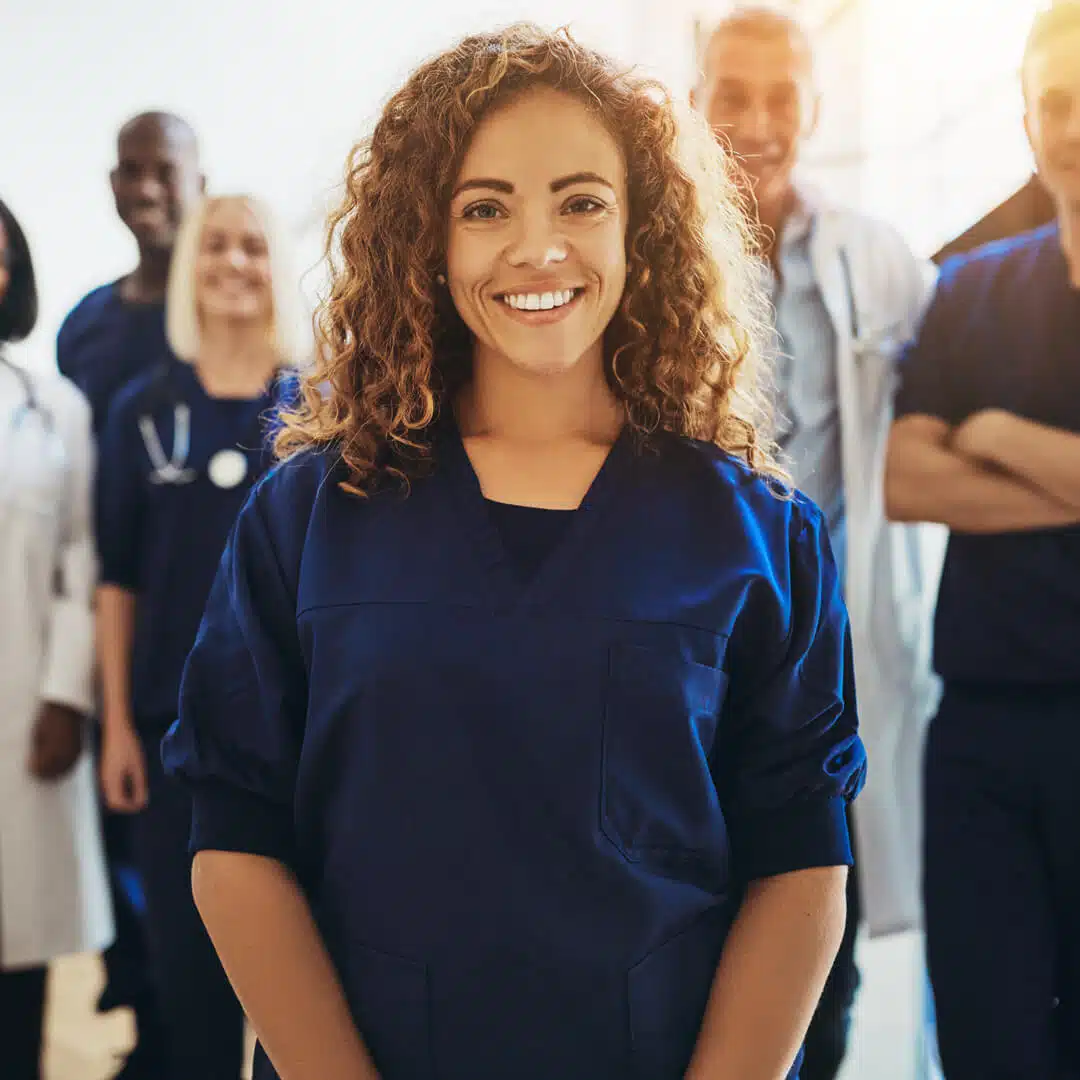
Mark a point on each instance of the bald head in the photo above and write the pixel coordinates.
(165, 126)
(156, 178)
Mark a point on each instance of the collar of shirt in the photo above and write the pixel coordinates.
(798, 226)
(793, 241)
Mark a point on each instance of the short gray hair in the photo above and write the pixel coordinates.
(763, 22)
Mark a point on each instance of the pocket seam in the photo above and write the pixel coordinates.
(676, 855)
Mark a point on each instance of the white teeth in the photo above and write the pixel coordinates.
(539, 301)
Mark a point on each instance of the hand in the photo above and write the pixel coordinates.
(56, 742)
(979, 436)
(123, 769)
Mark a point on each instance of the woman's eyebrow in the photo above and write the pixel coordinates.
(488, 183)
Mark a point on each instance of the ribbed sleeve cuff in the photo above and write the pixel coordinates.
(795, 837)
(226, 818)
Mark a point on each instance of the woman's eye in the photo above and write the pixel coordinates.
(585, 204)
(481, 212)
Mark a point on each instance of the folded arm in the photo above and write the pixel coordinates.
(1047, 458)
(929, 477)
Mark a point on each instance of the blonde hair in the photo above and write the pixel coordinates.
(1060, 18)
(182, 327)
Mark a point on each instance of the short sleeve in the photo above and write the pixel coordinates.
(793, 757)
(925, 369)
(236, 744)
(118, 500)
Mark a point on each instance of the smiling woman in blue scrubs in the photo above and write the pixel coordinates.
(520, 723)
(181, 448)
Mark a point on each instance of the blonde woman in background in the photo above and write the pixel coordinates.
(181, 448)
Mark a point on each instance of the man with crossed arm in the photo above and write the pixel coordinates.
(987, 442)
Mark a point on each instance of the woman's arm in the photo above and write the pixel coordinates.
(791, 763)
(771, 975)
(263, 931)
(119, 499)
(67, 683)
(123, 768)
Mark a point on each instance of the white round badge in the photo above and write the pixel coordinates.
(227, 468)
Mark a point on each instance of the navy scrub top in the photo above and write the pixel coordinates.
(106, 342)
(1003, 332)
(164, 541)
(524, 810)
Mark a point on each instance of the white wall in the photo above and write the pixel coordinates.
(940, 139)
(278, 92)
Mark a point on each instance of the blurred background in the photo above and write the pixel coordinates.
(921, 122)
(921, 126)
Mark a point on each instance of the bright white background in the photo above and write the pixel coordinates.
(921, 125)
(921, 119)
(278, 92)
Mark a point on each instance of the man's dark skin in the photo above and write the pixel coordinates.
(155, 180)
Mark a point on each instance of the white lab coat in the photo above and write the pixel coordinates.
(54, 896)
(892, 570)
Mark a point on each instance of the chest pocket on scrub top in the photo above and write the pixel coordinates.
(659, 804)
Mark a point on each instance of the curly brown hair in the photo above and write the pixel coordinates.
(682, 352)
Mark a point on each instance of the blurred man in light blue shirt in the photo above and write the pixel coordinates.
(847, 293)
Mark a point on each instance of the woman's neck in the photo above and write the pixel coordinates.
(235, 361)
(504, 402)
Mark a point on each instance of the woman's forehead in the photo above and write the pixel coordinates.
(541, 135)
(233, 214)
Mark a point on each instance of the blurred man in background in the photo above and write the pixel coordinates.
(847, 292)
(113, 334)
(988, 444)
(118, 329)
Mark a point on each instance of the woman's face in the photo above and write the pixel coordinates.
(5, 273)
(232, 270)
(536, 249)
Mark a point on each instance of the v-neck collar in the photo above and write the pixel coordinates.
(505, 589)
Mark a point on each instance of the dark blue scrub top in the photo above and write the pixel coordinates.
(1004, 332)
(524, 812)
(164, 541)
(105, 342)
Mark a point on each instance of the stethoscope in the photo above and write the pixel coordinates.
(48, 447)
(226, 469)
(31, 404)
(173, 469)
